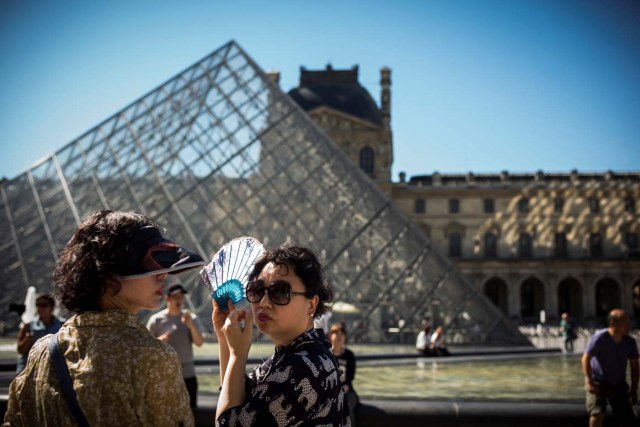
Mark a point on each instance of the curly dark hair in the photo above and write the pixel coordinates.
(87, 266)
(305, 265)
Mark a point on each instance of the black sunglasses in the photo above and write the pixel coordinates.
(279, 292)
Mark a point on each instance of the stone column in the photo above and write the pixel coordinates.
(626, 295)
(514, 297)
(589, 298)
(551, 300)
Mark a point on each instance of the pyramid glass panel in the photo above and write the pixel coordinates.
(217, 152)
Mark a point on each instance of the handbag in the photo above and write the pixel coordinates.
(60, 366)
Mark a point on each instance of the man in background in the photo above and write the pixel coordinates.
(604, 364)
(179, 329)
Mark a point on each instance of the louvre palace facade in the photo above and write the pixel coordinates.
(529, 242)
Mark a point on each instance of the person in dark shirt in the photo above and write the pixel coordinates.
(298, 384)
(45, 323)
(347, 362)
(604, 364)
(568, 332)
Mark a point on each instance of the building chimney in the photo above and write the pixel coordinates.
(385, 96)
(274, 76)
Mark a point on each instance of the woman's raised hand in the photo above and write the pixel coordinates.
(238, 329)
(218, 316)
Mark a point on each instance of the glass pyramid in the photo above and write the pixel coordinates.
(217, 152)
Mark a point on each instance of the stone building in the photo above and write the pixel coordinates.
(533, 242)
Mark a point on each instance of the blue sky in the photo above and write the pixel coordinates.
(479, 86)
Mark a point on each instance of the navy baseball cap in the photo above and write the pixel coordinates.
(150, 254)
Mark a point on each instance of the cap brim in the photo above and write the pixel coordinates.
(163, 256)
(171, 270)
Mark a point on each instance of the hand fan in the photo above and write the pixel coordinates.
(227, 274)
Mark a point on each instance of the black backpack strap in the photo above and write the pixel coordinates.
(60, 366)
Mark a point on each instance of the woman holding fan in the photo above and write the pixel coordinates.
(299, 383)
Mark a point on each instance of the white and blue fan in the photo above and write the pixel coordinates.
(227, 274)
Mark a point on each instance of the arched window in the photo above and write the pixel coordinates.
(497, 291)
(607, 297)
(455, 245)
(531, 299)
(570, 298)
(367, 160)
(454, 206)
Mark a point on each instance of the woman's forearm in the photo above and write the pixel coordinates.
(232, 393)
(223, 354)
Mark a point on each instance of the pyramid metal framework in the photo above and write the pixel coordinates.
(217, 152)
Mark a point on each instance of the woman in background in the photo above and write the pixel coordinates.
(439, 343)
(347, 362)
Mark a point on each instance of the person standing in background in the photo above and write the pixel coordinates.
(44, 323)
(604, 364)
(179, 329)
(347, 363)
(568, 332)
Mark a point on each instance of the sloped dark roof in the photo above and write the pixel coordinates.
(337, 89)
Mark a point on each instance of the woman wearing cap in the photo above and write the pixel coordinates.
(114, 266)
(299, 383)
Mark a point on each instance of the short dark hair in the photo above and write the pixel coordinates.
(87, 264)
(305, 265)
(615, 316)
(46, 297)
(338, 327)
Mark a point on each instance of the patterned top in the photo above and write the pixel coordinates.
(121, 374)
(39, 330)
(298, 385)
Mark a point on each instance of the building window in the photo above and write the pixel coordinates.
(595, 245)
(558, 205)
(560, 245)
(420, 206)
(454, 205)
(523, 205)
(525, 249)
(629, 204)
(488, 206)
(594, 205)
(633, 246)
(455, 245)
(490, 245)
(367, 160)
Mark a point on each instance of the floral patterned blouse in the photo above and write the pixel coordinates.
(298, 385)
(121, 374)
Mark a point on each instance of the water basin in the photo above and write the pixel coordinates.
(519, 378)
